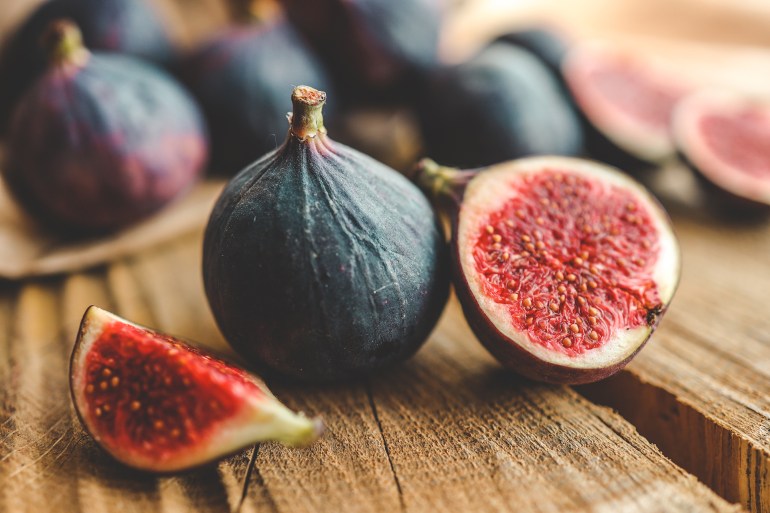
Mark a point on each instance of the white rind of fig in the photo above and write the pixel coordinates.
(736, 113)
(646, 141)
(483, 195)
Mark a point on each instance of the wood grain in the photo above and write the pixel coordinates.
(448, 431)
(701, 390)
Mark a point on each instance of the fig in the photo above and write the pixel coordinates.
(126, 26)
(547, 44)
(156, 403)
(501, 104)
(563, 266)
(242, 79)
(321, 263)
(371, 46)
(626, 105)
(724, 137)
(101, 140)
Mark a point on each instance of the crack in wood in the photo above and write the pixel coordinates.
(372, 404)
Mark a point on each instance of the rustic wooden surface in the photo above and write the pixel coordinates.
(448, 431)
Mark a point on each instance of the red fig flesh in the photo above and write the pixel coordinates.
(156, 403)
(627, 101)
(563, 266)
(725, 138)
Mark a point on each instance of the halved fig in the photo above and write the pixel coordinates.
(156, 403)
(626, 103)
(563, 266)
(726, 139)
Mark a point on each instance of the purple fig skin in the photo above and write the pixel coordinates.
(377, 46)
(507, 352)
(243, 78)
(133, 27)
(102, 141)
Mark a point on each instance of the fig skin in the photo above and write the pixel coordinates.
(133, 27)
(374, 49)
(121, 138)
(448, 192)
(321, 263)
(501, 104)
(242, 78)
(546, 43)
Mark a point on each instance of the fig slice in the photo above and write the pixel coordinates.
(563, 266)
(626, 102)
(156, 403)
(725, 138)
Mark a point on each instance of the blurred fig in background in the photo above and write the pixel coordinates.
(243, 79)
(372, 47)
(626, 104)
(126, 26)
(549, 44)
(101, 140)
(500, 105)
(725, 138)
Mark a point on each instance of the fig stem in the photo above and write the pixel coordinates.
(247, 11)
(307, 119)
(64, 43)
(435, 180)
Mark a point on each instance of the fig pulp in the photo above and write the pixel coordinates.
(626, 105)
(320, 262)
(500, 105)
(242, 78)
(156, 403)
(724, 137)
(101, 140)
(563, 266)
(376, 46)
(125, 26)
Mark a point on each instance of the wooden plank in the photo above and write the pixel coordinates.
(464, 435)
(39, 436)
(701, 389)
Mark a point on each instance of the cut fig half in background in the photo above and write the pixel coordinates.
(563, 266)
(156, 403)
(725, 138)
(626, 103)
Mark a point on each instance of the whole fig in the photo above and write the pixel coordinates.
(124, 26)
(501, 104)
(372, 46)
(240, 77)
(101, 140)
(320, 262)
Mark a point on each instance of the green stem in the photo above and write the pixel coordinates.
(307, 119)
(64, 43)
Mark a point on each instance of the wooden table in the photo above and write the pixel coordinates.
(449, 430)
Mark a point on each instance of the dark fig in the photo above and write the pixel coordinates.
(125, 26)
(626, 105)
(563, 266)
(320, 262)
(501, 104)
(101, 140)
(546, 43)
(243, 78)
(725, 138)
(156, 403)
(376, 46)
